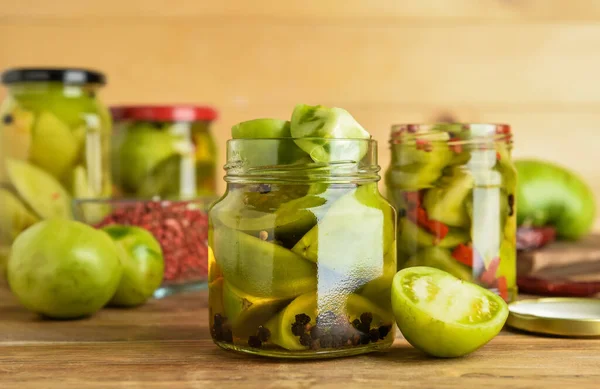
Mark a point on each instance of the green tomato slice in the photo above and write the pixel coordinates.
(319, 124)
(442, 315)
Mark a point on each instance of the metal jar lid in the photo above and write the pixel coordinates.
(574, 317)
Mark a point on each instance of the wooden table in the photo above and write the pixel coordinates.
(166, 344)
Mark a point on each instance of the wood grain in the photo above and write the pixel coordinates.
(530, 63)
(166, 344)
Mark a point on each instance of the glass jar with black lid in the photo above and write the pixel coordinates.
(54, 145)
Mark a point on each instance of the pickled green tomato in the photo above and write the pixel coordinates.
(64, 269)
(143, 264)
(276, 151)
(319, 124)
(442, 315)
(138, 151)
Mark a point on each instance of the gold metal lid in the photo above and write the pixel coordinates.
(556, 316)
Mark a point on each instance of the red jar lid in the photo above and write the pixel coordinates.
(164, 113)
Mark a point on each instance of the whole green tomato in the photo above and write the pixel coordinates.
(143, 264)
(63, 269)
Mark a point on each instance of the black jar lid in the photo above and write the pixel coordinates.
(72, 76)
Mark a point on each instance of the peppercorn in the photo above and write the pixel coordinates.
(302, 318)
(227, 335)
(254, 341)
(355, 339)
(401, 212)
(7, 119)
(298, 329)
(356, 323)
(366, 318)
(374, 335)
(365, 339)
(511, 203)
(218, 319)
(384, 331)
(305, 340)
(263, 334)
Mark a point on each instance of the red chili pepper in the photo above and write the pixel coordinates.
(457, 148)
(463, 254)
(498, 157)
(503, 288)
(489, 275)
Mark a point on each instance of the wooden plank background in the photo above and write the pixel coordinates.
(532, 63)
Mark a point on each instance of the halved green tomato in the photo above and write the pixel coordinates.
(442, 315)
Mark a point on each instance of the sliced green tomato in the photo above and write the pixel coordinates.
(379, 289)
(14, 216)
(353, 237)
(288, 224)
(319, 124)
(41, 191)
(263, 153)
(412, 177)
(261, 129)
(246, 313)
(411, 237)
(310, 304)
(260, 268)
(442, 315)
(15, 138)
(440, 259)
(54, 148)
(446, 201)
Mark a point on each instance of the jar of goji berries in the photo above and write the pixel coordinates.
(180, 226)
(454, 188)
(164, 151)
(302, 253)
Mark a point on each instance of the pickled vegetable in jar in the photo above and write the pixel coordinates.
(302, 247)
(54, 145)
(163, 151)
(453, 186)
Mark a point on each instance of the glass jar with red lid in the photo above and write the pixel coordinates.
(164, 151)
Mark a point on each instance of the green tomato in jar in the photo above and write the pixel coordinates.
(64, 269)
(143, 264)
(138, 152)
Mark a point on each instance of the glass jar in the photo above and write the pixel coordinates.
(180, 227)
(54, 145)
(163, 151)
(301, 254)
(454, 188)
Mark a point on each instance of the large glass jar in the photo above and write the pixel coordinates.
(163, 151)
(454, 188)
(301, 255)
(54, 145)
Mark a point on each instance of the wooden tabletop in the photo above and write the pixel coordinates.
(166, 344)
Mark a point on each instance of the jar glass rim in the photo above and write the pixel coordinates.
(451, 132)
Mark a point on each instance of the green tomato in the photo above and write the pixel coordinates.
(138, 151)
(143, 264)
(551, 195)
(442, 315)
(64, 269)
